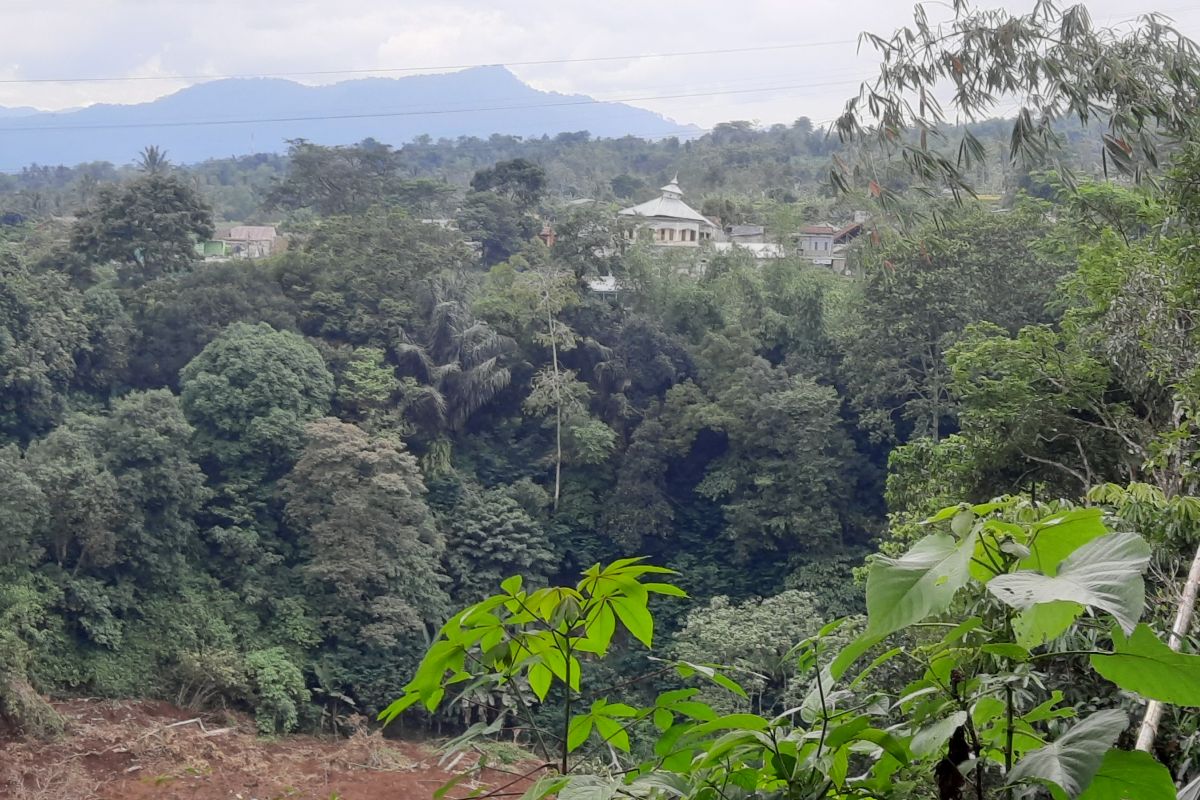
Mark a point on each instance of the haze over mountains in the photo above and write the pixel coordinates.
(264, 112)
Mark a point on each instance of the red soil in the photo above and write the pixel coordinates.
(131, 750)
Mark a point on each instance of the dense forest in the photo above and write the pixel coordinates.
(268, 484)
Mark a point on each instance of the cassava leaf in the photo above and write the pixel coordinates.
(578, 731)
(636, 617)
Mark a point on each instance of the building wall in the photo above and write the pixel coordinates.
(816, 245)
(673, 233)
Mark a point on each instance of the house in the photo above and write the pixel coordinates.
(250, 241)
(670, 221)
(548, 235)
(746, 234)
(825, 244)
(815, 242)
(605, 284)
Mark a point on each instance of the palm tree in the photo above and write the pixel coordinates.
(153, 160)
(458, 362)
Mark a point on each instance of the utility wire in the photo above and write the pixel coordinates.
(407, 113)
(431, 68)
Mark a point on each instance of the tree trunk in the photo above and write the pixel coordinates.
(1183, 623)
(557, 406)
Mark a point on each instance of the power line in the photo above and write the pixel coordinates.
(408, 113)
(431, 68)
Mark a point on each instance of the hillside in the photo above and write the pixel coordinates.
(224, 117)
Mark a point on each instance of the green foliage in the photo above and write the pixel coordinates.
(1072, 761)
(498, 223)
(349, 180)
(179, 315)
(355, 503)
(1132, 79)
(518, 179)
(358, 277)
(489, 535)
(278, 690)
(148, 228)
(920, 294)
(249, 393)
(975, 693)
(754, 640)
(1143, 664)
(906, 590)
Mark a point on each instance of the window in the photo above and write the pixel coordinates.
(671, 235)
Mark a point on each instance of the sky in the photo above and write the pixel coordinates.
(808, 64)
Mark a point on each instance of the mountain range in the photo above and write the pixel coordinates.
(237, 116)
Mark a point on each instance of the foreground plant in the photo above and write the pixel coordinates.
(979, 715)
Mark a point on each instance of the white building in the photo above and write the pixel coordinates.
(760, 250)
(671, 221)
(825, 245)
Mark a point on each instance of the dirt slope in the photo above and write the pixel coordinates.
(126, 750)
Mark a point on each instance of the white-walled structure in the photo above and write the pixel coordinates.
(671, 221)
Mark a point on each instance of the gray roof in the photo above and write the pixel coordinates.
(747, 230)
(669, 206)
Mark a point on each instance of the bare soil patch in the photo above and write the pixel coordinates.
(131, 750)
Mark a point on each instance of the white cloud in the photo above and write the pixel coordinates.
(76, 38)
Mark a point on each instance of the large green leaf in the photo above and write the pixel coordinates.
(1071, 761)
(1105, 573)
(931, 738)
(1143, 664)
(589, 787)
(636, 617)
(1062, 534)
(923, 581)
(1126, 775)
(1044, 622)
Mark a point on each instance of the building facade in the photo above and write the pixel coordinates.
(669, 221)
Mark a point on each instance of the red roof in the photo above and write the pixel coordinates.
(819, 230)
(849, 232)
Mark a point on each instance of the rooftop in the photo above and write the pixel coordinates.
(251, 233)
(669, 206)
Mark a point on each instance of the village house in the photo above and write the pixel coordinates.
(670, 221)
(250, 241)
(825, 244)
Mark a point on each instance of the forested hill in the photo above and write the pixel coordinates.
(231, 117)
(743, 172)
